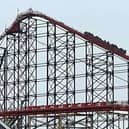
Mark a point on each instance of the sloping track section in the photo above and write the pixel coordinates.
(51, 71)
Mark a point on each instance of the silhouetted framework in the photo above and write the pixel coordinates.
(45, 62)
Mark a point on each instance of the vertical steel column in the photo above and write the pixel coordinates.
(5, 83)
(10, 80)
(74, 74)
(36, 73)
(89, 72)
(55, 72)
(31, 68)
(70, 76)
(86, 85)
(32, 61)
(89, 81)
(67, 74)
(3, 62)
(19, 123)
(109, 87)
(47, 91)
(21, 69)
(51, 71)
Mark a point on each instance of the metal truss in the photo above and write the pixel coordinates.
(60, 70)
(45, 62)
(20, 71)
(99, 84)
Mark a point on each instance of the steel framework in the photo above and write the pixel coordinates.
(50, 71)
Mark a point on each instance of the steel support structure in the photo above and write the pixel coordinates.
(45, 62)
(60, 71)
(20, 71)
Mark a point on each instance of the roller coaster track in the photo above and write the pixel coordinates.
(103, 66)
(67, 108)
(93, 39)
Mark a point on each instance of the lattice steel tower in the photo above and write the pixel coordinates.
(45, 62)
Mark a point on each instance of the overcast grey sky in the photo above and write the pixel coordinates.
(108, 19)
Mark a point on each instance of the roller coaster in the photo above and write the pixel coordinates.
(52, 75)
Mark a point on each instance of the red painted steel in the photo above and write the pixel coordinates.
(91, 38)
(67, 108)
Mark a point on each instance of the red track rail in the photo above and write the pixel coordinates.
(66, 108)
(15, 28)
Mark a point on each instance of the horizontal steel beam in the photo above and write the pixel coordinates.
(67, 108)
